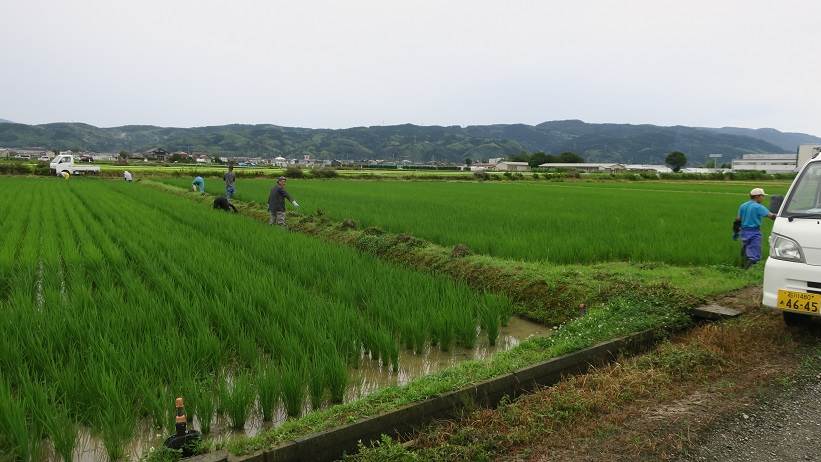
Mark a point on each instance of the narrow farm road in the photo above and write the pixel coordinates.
(786, 427)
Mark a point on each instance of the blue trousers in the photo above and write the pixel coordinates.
(751, 242)
(229, 192)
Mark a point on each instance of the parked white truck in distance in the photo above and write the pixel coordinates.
(65, 163)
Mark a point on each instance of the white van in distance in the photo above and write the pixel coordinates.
(792, 274)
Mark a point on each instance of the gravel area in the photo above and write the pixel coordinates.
(780, 428)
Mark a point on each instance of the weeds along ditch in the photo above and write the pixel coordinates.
(678, 223)
(116, 298)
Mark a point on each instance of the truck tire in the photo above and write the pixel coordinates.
(795, 319)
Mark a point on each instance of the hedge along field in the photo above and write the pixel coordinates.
(115, 298)
(563, 222)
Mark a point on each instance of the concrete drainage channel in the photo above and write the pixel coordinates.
(332, 444)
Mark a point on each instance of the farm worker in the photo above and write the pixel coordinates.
(276, 202)
(127, 176)
(198, 184)
(223, 204)
(230, 177)
(65, 175)
(749, 217)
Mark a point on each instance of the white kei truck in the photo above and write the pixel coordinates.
(65, 163)
(792, 274)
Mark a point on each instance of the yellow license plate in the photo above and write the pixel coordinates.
(802, 302)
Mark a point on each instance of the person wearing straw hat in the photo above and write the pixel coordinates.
(276, 202)
(749, 217)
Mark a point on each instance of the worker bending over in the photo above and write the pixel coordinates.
(223, 204)
(198, 184)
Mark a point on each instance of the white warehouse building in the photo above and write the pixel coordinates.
(770, 163)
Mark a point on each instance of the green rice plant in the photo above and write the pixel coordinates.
(238, 400)
(206, 405)
(293, 388)
(337, 378)
(490, 324)
(17, 438)
(268, 387)
(115, 420)
(316, 382)
(51, 419)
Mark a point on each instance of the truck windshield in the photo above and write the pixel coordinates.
(805, 198)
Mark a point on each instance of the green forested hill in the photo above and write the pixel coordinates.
(594, 142)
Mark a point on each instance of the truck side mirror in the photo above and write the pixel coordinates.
(775, 203)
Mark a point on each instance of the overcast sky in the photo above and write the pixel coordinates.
(350, 63)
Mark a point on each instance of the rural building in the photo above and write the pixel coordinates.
(158, 154)
(770, 163)
(703, 170)
(648, 168)
(280, 161)
(585, 166)
(506, 166)
(807, 152)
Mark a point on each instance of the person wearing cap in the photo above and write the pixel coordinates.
(276, 202)
(749, 217)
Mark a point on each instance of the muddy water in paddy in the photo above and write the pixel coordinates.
(369, 377)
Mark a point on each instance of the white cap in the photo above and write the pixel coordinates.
(757, 192)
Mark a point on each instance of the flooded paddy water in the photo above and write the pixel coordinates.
(369, 377)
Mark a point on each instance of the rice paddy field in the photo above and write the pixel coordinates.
(116, 297)
(682, 223)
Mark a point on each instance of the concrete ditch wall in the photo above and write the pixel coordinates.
(332, 444)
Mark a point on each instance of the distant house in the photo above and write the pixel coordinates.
(506, 166)
(585, 166)
(158, 154)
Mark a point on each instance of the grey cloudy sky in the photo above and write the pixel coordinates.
(348, 63)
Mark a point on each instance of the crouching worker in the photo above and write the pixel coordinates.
(198, 184)
(276, 202)
(223, 204)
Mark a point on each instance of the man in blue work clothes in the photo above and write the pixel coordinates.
(749, 217)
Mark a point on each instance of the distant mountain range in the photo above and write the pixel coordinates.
(4, 121)
(594, 142)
